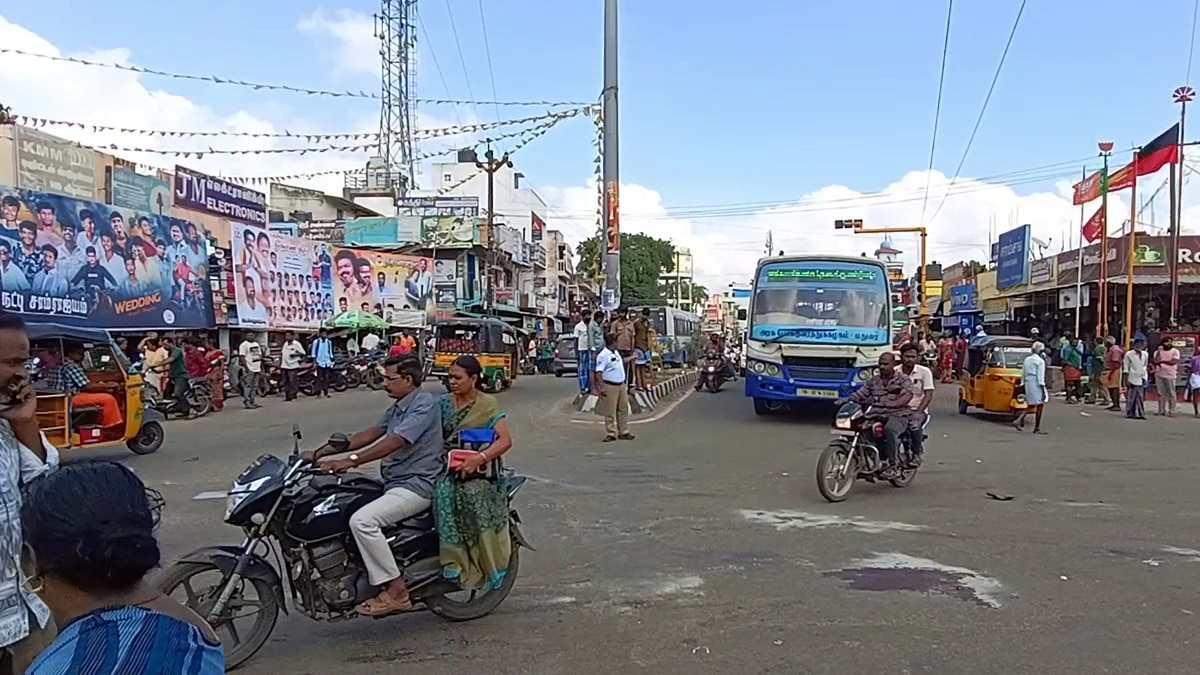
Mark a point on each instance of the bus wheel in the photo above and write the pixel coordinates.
(763, 406)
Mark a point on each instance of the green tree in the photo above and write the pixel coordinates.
(698, 294)
(643, 259)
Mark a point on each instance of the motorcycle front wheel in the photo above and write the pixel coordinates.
(833, 484)
(479, 603)
(201, 402)
(201, 597)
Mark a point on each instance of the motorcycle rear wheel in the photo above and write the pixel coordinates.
(353, 378)
(180, 573)
(904, 479)
(832, 458)
(201, 402)
(478, 606)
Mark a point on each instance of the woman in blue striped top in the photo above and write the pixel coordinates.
(89, 536)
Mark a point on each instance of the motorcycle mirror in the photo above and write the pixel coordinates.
(296, 440)
(296, 432)
(340, 443)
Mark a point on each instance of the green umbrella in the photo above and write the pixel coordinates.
(357, 320)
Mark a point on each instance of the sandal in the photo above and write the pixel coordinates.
(380, 606)
(609, 439)
(626, 437)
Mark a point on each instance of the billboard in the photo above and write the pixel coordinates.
(398, 284)
(448, 231)
(204, 193)
(281, 282)
(51, 164)
(73, 261)
(1012, 258)
(132, 190)
(372, 231)
(441, 222)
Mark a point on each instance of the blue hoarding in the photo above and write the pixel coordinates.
(73, 261)
(963, 299)
(1012, 258)
(201, 192)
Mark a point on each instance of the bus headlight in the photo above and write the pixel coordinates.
(773, 370)
(866, 374)
(764, 368)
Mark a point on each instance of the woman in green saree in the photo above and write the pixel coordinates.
(472, 510)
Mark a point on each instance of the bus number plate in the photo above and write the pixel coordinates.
(817, 393)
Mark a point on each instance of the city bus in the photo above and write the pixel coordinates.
(818, 324)
(675, 329)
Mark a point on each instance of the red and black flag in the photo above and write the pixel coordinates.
(1093, 229)
(1153, 156)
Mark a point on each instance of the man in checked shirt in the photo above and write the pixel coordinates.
(889, 394)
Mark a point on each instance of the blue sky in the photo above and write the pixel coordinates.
(719, 104)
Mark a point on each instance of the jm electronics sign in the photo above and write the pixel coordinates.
(200, 192)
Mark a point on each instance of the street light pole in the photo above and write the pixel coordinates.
(611, 175)
(1102, 318)
(857, 227)
(491, 166)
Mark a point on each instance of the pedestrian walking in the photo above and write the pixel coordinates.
(623, 329)
(250, 355)
(1071, 356)
(1033, 377)
(1194, 383)
(1135, 366)
(291, 357)
(1166, 373)
(613, 389)
(583, 351)
(1114, 363)
(322, 355)
(216, 373)
(178, 372)
(1096, 373)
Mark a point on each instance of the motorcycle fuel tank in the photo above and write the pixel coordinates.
(325, 508)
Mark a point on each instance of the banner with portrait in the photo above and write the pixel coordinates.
(281, 282)
(396, 287)
(75, 261)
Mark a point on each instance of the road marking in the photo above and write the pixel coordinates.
(210, 496)
(898, 571)
(1190, 553)
(800, 520)
(654, 418)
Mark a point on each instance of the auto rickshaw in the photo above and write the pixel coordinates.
(991, 378)
(70, 426)
(491, 341)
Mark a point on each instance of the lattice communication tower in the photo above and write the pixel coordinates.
(396, 28)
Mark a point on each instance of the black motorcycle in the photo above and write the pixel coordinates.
(291, 508)
(712, 373)
(855, 453)
(199, 398)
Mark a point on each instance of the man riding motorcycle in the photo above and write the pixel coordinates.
(715, 350)
(890, 395)
(922, 383)
(409, 441)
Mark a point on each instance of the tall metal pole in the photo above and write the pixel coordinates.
(1182, 96)
(924, 285)
(611, 169)
(491, 167)
(1079, 262)
(1131, 251)
(1102, 317)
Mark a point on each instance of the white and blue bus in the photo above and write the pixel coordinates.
(818, 324)
(676, 329)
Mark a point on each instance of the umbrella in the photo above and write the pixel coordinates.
(357, 320)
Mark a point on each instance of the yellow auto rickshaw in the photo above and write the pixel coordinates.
(68, 424)
(491, 341)
(991, 377)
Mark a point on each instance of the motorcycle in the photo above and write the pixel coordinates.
(712, 374)
(199, 398)
(856, 453)
(306, 379)
(293, 509)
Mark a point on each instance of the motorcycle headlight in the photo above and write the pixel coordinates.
(711, 369)
(234, 500)
(240, 492)
(842, 423)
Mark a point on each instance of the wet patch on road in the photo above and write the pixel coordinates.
(900, 572)
(801, 520)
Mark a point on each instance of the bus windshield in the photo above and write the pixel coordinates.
(821, 302)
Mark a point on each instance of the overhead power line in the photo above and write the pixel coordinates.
(308, 91)
(937, 111)
(461, 59)
(487, 47)
(986, 100)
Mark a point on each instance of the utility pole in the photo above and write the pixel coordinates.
(611, 297)
(491, 167)
(857, 227)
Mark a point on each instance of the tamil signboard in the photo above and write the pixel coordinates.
(55, 165)
(332, 231)
(1041, 272)
(441, 222)
(207, 194)
(1012, 258)
(131, 190)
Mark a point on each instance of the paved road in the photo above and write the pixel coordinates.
(703, 546)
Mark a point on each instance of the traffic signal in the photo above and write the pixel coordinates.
(855, 224)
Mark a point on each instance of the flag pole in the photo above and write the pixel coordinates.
(1182, 95)
(1102, 317)
(1079, 260)
(1130, 250)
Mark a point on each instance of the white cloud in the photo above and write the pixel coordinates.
(355, 49)
(727, 241)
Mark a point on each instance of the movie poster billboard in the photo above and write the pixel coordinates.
(281, 282)
(72, 261)
(398, 287)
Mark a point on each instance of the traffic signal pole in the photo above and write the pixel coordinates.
(856, 226)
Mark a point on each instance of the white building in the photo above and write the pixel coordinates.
(515, 203)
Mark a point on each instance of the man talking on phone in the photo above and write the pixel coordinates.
(25, 624)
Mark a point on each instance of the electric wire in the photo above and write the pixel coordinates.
(937, 111)
(437, 66)
(1192, 41)
(983, 109)
(461, 59)
(487, 47)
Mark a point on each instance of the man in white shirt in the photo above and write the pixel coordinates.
(370, 343)
(26, 628)
(922, 384)
(609, 385)
(250, 354)
(291, 356)
(1135, 366)
(583, 352)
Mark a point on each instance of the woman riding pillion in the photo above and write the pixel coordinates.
(471, 509)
